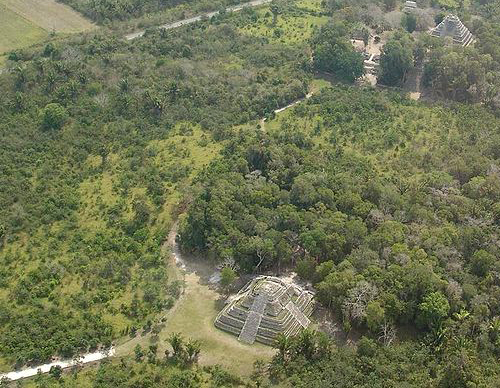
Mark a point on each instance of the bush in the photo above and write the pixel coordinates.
(53, 116)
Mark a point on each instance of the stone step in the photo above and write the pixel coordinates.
(252, 323)
(298, 315)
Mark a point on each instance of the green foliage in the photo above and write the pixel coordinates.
(53, 116)
(334, 53)
(482, 262)
(103, 11)
(409, 22)
(433, 309)
(376, 210)
(375, 315)
(470, 74)
(184, 352)
(396, 60)
(390, 4)
(82, 228)
(228, 276)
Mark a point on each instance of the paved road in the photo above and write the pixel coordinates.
(208, 15)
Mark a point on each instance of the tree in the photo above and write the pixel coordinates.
(409, 22)
(176, 341)
(152, 353)
(482, 262)
(55, 372)
(275, 10)
(395, 61)
(53, 116)
(193, 349)
(390, 4)
(433, 309)
(366, 347)
(228, 276)
(139, 354)
(439, 17)
(334, 53)
(375, 315)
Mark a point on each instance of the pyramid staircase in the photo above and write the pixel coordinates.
(452, 27)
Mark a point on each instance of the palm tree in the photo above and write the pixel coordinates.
(283, 344)
(193, 349)
(177, 342)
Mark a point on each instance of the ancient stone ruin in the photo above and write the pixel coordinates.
(410, 6)
(265, 307)
(452, 27)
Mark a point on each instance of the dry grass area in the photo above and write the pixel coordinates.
(49, 15)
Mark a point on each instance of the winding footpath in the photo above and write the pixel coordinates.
(194, 19)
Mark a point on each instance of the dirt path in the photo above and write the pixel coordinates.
(194, 19)
(291, 105)
(192, 315)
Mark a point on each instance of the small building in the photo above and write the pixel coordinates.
(266, 307)
(410, 6)
(451, 27)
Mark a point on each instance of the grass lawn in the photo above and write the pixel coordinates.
(193, 316)
(16, 31)
(289, 28)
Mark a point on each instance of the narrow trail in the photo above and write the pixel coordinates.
(194, 19)
(291, 105)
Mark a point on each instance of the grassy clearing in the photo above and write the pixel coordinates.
(310, 5)
(193, 316)
(187, 146)
(16, 31)
(27, 22)
(49, 15)
(289, 28)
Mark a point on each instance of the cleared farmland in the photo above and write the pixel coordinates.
(27, 22)
(49, 15)
(16, 31)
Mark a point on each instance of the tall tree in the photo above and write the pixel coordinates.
(396, 60)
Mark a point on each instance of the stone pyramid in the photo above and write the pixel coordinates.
(266, 307)
(452, 27)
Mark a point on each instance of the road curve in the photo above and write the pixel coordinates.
(208, 15)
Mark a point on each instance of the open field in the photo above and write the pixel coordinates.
(49, 15)
(193, 316)
(292, 28)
